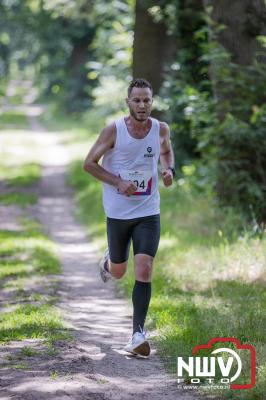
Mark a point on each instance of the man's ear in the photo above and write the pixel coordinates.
(126, 100)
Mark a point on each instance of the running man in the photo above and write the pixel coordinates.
(131, 148)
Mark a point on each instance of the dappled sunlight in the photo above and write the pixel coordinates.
(168, 241)
(30, 110)
(19, 146)
(53, 387)
(77, 247)
(9, 217)
(244, 259)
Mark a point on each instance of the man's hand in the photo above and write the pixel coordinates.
(167, 176)
(126, 187)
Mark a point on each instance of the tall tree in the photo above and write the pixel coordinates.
(238, 68)
(235, 27)
(153, 47)
(243, 21)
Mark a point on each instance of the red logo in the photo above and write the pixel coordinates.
(252, 356)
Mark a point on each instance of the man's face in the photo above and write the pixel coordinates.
(139, 103)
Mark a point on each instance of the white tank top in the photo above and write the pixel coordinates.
(135, 160)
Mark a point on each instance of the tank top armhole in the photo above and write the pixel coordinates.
(118, 125)
(157, 125)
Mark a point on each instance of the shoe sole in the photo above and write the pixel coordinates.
(143, 349)
(131, 353)
(103, 276)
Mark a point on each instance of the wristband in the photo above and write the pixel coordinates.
(173, 171)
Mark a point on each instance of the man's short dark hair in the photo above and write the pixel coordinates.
(139, 83)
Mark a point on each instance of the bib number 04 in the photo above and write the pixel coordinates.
(142, 180)
(140, 185)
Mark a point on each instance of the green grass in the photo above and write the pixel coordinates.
(20, 366)
(20, 199)
(29, 255)
(30, 321)
(53, 375)
(208, 274)
(22, 175)
(13, 119)
(29, 352)
(18, 167)
(27, 252)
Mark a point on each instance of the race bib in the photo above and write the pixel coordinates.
(142, 179)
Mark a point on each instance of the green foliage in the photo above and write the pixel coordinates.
(233, 144)
(20, 199)
(232, 152)
(112, 43)
(92, 39)
(224, 129)
(238, 159)
(190, 113)
(187, 91)
(22, 175)
(38, 24)
(216, 110)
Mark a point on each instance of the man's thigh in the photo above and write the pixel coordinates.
(119, 232)
(146, 235)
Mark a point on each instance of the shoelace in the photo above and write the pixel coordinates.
(144, 333)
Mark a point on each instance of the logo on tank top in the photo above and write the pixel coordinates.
(149, 152)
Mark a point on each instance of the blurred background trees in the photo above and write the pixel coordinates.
(206, 60)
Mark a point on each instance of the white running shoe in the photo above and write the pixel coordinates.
(138, 345)
(104, 273)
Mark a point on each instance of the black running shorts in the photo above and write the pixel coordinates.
(144, 232)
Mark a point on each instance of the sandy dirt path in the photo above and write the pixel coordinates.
(93, 366)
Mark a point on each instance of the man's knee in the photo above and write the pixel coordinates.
(117, 270)
(143, 267)
(117, 274)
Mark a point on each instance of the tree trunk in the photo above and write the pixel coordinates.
(190, 21)
(78, 97)
(244, 20)
(152, 47)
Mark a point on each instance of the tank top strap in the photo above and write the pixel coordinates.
(156, 127)
(156, 123)
(119, 123)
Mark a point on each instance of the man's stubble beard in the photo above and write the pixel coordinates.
(134, 115)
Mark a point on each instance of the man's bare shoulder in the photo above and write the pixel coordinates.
(108, 134)
(164, 129)
(109, 129)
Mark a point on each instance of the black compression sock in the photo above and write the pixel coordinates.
(141, 299)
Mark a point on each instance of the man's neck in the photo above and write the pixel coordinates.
(138, 126)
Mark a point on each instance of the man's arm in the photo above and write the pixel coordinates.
(167, 160)
(106, 141)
